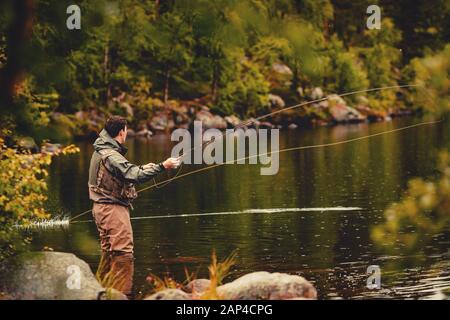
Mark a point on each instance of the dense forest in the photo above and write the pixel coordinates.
(163, 63)
(158, 62)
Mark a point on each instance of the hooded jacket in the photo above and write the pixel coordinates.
(118, 166)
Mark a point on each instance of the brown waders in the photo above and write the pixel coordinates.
(114, 226)
(116, 266)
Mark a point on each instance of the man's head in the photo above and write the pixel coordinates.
(117, 128)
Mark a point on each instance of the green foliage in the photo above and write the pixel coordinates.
(423, 211)
(222, 51)
(22, 193)
(319, 12)
(381, 54)
(431, 73)
(244, 88)
(345, 72)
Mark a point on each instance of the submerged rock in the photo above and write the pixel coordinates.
(51, 275)
(267, 286)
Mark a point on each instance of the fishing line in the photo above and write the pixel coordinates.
(245, 123)
(164, 183)
(314, 146)
(248, 122)
(247, 211)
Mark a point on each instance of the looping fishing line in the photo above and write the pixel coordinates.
(314, 146)
(245, 123)
(164, 183)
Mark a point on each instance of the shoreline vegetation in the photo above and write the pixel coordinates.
(219, 62)
(330, 110)
(181, 114)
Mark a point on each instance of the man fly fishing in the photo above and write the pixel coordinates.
(111, 185)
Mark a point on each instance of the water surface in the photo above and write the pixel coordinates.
(267, 218)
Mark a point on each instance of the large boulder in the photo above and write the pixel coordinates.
(341, 112)
(253, 286)
(267, 286)
(51, 275)
(198, 286)
(211, 121)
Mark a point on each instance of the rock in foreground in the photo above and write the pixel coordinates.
(253, 286)
(267, 286)
(52, 275)
(169, 294)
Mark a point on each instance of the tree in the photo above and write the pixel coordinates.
(170, 39)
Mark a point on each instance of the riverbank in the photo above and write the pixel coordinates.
(163, 119)
(329, 110)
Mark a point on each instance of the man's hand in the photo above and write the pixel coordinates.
(172, 163)
(148, 166)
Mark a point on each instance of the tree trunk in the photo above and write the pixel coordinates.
(106, 73)
(166, 86)
(295, 82)
(19, 33)
(215, 83)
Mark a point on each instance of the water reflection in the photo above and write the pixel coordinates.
(116, 270)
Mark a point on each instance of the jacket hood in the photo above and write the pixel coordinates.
(104, 141)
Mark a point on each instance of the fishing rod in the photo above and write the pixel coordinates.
(162, 184)
(314, 146)
(244, 124)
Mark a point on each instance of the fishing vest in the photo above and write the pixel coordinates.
(109, 185)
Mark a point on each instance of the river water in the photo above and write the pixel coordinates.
(267, 218)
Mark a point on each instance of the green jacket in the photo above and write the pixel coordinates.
(118, 166)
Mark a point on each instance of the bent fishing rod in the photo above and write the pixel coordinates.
(242, 124)
(248, 122)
